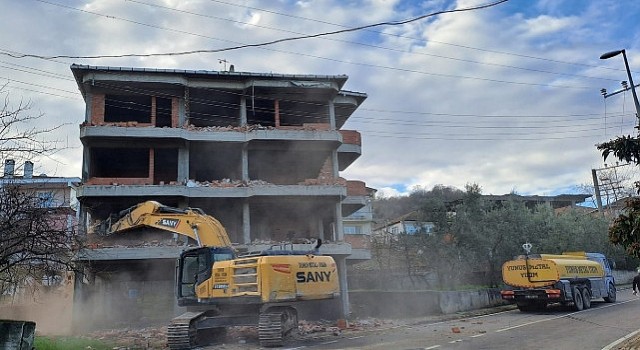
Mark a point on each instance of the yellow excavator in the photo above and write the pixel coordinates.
(221, 289)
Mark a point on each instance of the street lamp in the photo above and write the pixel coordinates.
(626, 64)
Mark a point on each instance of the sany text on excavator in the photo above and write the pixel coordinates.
(221, 289)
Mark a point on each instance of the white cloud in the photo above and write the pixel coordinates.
(545, 25)
(506, 97)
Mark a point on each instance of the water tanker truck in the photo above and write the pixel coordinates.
(537, 280)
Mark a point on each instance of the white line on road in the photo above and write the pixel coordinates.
(617, 342)
(432, 347)
(358, 337)
(329, 342)
(557, 317)
(478, 335)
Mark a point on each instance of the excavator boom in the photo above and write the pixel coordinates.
(190, 222)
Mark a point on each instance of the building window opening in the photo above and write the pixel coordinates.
(163, 112)
(120, 162)
(352, 230)
(127, 108)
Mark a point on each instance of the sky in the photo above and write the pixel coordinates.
(507, 96)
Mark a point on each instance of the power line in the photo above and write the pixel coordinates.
(23, 55)
(394, 23)
(413, 38)
(362, 44)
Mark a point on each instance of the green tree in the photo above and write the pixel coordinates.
(625, 230)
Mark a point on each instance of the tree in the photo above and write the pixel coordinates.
(21, 133)
(625, 230)
(36, 243)
(35, 239)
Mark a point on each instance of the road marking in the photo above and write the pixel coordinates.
(432, 347)
(615, 343)
(478, 335)
(455, 341)
(561, 316)
(329, 342)
(358, 337)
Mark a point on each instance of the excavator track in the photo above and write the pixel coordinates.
(270, 329)
(182, 333)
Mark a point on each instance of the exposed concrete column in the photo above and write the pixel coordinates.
(243, 111)
(332, 115)
(88, 106)
(334, 164)
(276, 107)
(245, 162)
(344, 287)
(339, 234)
(83, 220)
(86, 163)
(246, 222)
(186, 106)
(183, 163)
(321, 229)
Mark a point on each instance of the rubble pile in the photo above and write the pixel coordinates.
(245, 128)
(227, 183)
(155, 337)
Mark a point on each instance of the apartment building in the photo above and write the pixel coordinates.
(260, 152)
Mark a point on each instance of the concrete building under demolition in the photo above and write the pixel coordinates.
(260, 152)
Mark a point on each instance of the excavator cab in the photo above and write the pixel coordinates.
(194, 266)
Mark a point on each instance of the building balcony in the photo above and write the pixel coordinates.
(350, 149)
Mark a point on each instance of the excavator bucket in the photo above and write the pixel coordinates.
(17, 335)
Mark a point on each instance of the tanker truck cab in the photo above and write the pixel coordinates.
(573, 278)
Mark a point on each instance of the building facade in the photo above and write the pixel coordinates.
(56, 197)
(260, 152)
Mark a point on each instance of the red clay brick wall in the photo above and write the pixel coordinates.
(97, 109)
(153, 110)
(356, 188)
(175, 112)
(351, 137)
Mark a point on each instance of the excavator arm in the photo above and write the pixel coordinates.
(190, 222)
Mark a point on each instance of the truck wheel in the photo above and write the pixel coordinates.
(586, 298)
(578, 302)
(611, 294)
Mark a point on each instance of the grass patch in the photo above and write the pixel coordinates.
(70, 343)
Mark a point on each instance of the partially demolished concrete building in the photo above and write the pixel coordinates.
(260, 152)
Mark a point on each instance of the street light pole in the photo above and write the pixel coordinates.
(626, 64)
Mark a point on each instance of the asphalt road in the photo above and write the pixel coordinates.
(556, 328)
(600, 327)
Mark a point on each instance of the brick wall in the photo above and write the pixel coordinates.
(351, 137)
(356, 188)
(175, 112)
(97, 109)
